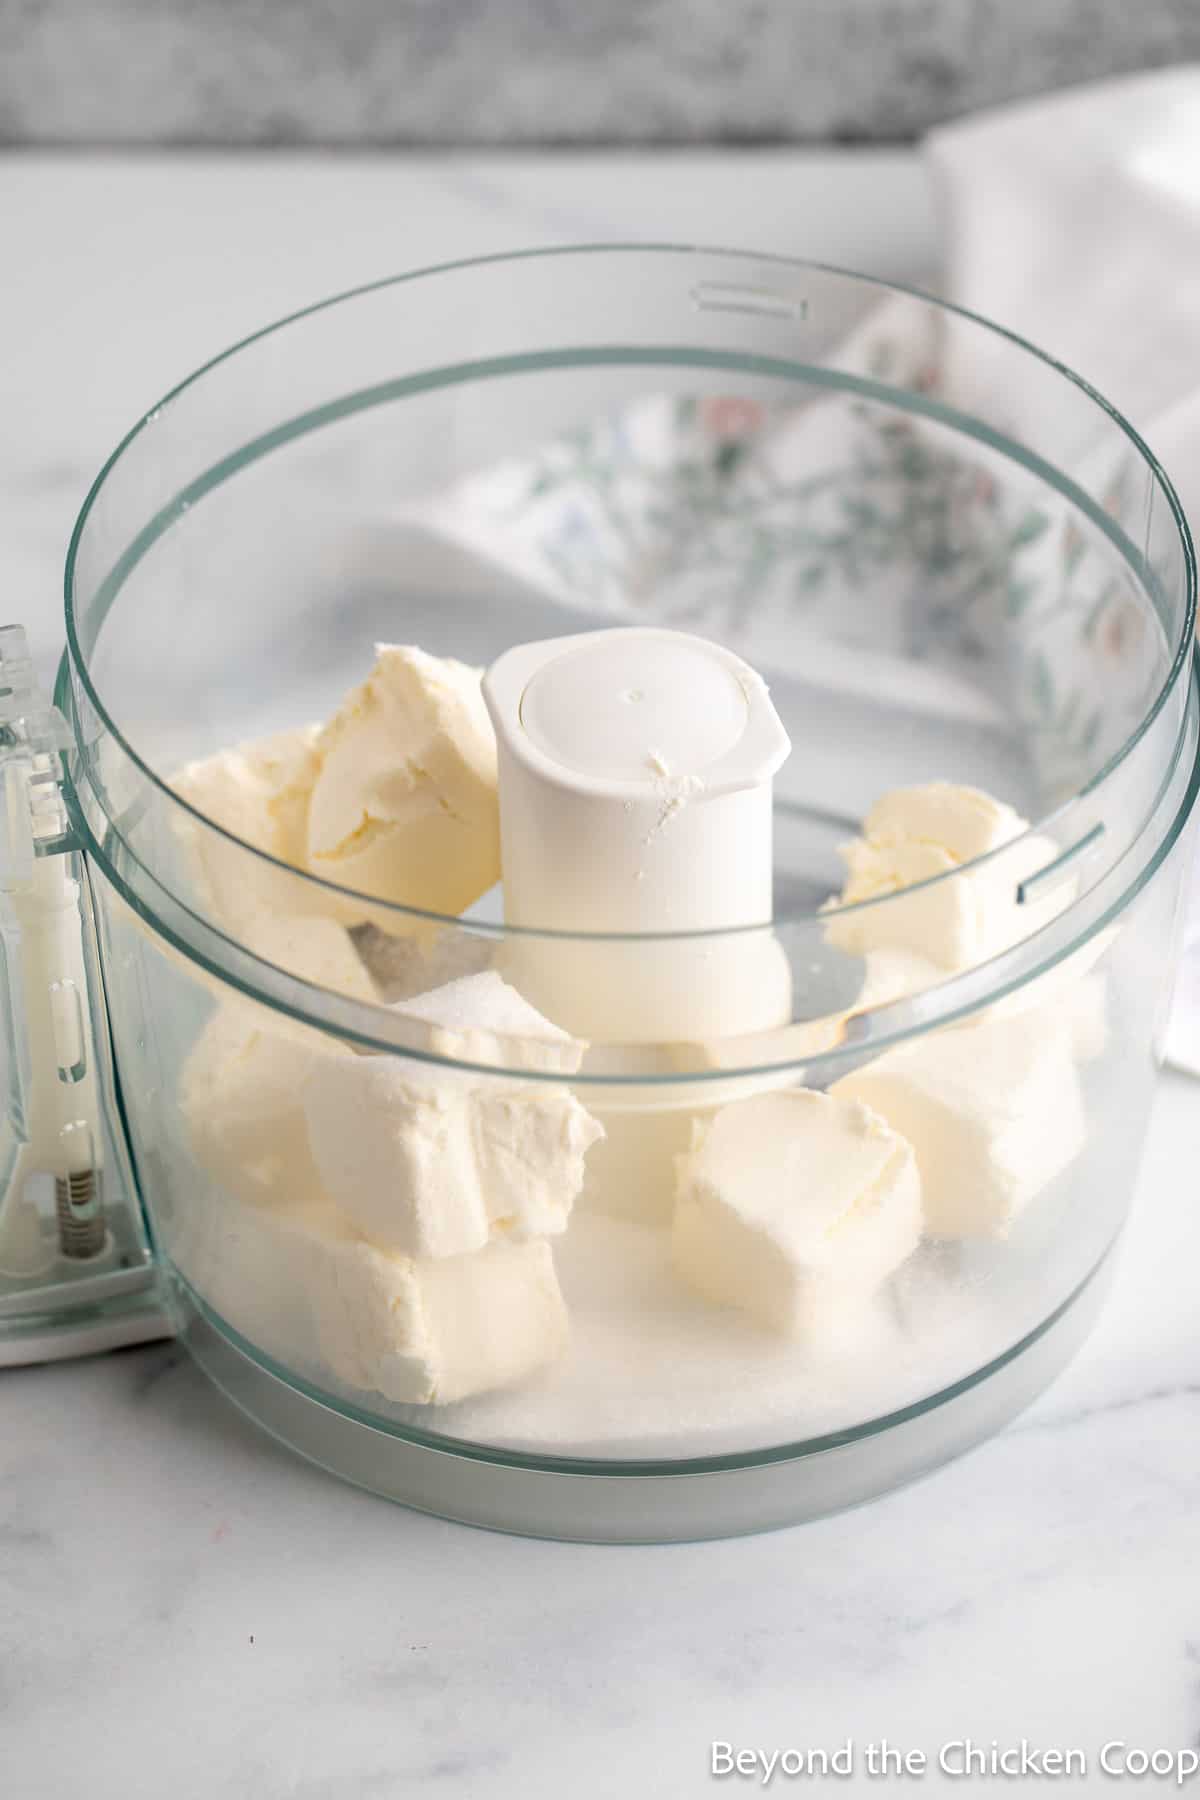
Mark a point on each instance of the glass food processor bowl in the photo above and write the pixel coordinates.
(831, 478)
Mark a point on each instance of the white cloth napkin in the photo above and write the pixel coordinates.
(1074, 221)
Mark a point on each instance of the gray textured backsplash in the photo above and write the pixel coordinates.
(446, 72)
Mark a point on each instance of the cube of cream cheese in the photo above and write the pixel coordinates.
(302, 1285)
(317, 950)
(435, 1332)
(258, 791)
(791, 1203)
(1072, 995)
(993, 1113)
(890, 975)
(963, 916)
(404, 805)
(431, 1162)
(241, 1099)
(241, 1084)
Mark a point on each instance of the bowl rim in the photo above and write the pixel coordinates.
(74, 664)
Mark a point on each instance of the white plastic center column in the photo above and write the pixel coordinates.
(635, 798)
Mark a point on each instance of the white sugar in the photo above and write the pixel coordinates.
(651, 1370)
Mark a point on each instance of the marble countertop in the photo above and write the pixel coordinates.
(674, 71)
(185, 1609)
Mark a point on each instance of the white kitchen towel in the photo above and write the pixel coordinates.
(1074, 221)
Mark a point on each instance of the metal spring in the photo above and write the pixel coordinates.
(81, 1227)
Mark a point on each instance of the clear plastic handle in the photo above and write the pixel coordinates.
(76, 1269)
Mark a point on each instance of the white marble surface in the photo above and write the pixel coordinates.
(455, 72)
(186, 1610)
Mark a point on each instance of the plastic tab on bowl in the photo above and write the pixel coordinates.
(1038, 886)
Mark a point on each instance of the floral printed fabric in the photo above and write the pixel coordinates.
(842, 539)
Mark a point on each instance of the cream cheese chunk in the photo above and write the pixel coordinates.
(994, 1114)
(305, 1287)
(241, 1085)
(890, 975)
(431, 1163)
(258, 791)
(1071, 995)
(435, 1162)
(315, 949)
(430, 1333)
(965, 915)
(404, 805)
(962, 821)
(241, 1098)
(792, 1203)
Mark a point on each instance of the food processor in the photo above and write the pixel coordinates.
(744, 545)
